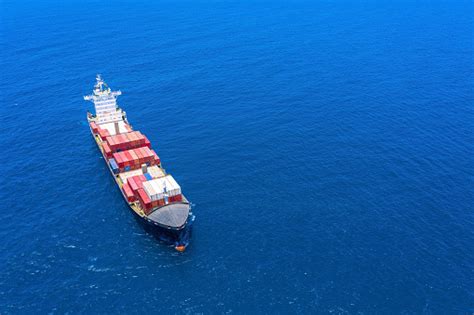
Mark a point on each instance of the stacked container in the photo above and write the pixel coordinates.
(156, 158)
(156, 189)
(127, 141)
(147, 143)
(94, 127)
(136, 182)
(107, 151)
(133, 159)
(103, 133)
(114, 166)
(128, 193)
(145, 201)
(156, 172)
(125, 176)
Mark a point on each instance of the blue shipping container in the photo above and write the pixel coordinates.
(148, 176)
(114, 166)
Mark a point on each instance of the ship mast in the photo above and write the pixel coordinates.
(105, 103)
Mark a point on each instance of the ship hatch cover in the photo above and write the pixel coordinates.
(173, 215)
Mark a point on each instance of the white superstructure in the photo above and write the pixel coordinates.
(105, 103)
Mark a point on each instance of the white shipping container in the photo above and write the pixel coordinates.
(158, 187)
(172, 186)
(150, 191)
(155, 171)
(155, 188)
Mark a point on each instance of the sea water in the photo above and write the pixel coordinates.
(327, 146)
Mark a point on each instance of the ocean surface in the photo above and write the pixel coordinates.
(328, 147)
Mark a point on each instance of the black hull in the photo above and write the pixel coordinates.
(175, 237)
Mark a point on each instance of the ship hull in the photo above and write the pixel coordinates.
(173, 237)
(178, 237)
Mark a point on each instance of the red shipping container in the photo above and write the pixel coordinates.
(128, 158)
(150, 156)
(133, 139)
(94, 127)
(139, 155)
(133, 185)
(114, 142)
(107, 151)
(118, 158)
(155, 157)
(142, 154)
(121, 142)
(134, 155)
(110, 141)
(144, 200)
(130, 139)
(147, 142)
(125, 138)
(139, 135)
(103, 133)
(128, 192)
(176, 198)
(136, 182)
(123, 158)
(146, 152)
(134, 158)
(126, 141)
(140, 139)
(145, 158)
(157, 203)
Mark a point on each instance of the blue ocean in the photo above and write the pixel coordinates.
(328, 147)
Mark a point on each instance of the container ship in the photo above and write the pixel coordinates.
(152, 194)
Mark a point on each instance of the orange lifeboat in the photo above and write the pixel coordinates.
(180, 248)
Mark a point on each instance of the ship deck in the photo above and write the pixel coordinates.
(173, 215)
